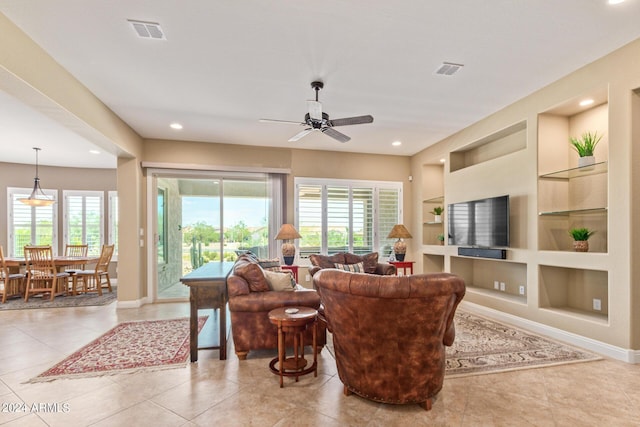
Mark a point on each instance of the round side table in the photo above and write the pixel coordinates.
(290, 321)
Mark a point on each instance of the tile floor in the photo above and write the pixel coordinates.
(233, 393)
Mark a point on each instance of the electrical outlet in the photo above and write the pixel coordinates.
(496, 285)
(521, 290)
(307, 277)
(503, 287)
(597, 304)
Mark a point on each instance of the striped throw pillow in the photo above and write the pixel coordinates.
(354, 268)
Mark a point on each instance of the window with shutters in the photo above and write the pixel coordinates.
(84, 219)
(29, 225)
(346, 216)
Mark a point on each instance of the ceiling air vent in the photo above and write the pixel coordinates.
(448, 68)
(147, 30)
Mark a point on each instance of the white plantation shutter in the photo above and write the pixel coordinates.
(30, 225)
(309, 219)
(84, 219)
(338, 215)
(362, 220)
(338, 230)
(388, 216)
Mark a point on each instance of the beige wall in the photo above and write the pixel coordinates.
(517, 173)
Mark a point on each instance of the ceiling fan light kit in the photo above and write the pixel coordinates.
(317, 120)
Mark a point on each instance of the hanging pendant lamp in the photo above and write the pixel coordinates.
(37, 196)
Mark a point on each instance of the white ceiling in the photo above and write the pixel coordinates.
(225, 64)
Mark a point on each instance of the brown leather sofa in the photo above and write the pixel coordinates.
(251, 299)
(390, 332)
(370, 262)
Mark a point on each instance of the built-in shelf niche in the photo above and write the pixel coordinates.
(498, 144)
(572, 291)
(481, 275)
(570, 196)
(432, 263)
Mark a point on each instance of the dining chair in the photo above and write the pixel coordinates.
(10, 284)
(75, 251)
(42, 276)
(98, 278)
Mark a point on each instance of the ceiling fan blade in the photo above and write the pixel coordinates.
(300, 135)
(351, 121)
(335, 134)
(315, 109)
(288, 122)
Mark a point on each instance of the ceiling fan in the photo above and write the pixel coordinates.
(316, 120)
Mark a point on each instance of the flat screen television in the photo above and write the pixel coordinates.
(479, 223)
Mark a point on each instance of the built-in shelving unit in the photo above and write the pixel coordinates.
(573, 197)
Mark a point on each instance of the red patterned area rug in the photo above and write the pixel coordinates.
(129, 347)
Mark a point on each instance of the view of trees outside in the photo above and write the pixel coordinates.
(245, 225)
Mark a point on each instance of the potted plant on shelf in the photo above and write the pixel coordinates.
(585, 147)
(437, 213)
(581, 238)
(440, 238)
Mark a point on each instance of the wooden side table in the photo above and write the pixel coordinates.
(404, 265)
(294, 320)
(293, 269)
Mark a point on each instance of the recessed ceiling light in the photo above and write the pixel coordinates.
(176, 126)
(615, 1)
(94, 151)
(396, 143)
(586, 102)
(442, 160)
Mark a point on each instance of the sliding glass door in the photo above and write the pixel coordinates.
(208, 218)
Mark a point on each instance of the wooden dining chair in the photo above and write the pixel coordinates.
(10, 284)
(98, 278)
(75, 251)
(42, 276)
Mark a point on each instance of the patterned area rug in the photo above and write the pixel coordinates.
(129, 347)
(483, 346)
(81, 300)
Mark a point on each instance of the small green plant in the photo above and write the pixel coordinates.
(437, 210)
(440, 237)
(581, 234)
(587, 144)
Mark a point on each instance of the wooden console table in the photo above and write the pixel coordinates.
(208, 289)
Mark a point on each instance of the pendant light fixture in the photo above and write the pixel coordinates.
(37, 197)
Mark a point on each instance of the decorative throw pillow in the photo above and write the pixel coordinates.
(370, 261)
(354, 268)
(280, 281)
(254, 275)
(270, 264)
(325, 261)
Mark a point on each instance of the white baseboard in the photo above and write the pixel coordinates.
(137, 303)
(604, 349)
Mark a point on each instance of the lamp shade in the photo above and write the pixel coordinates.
(287, 232)
(399, 231)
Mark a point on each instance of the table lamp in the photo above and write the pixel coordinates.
(288, 232)
(399, 232)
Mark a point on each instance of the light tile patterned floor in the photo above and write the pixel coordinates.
(234, 393)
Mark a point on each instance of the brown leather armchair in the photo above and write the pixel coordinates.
(390, 332)
(251, 300)
(370, 262)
